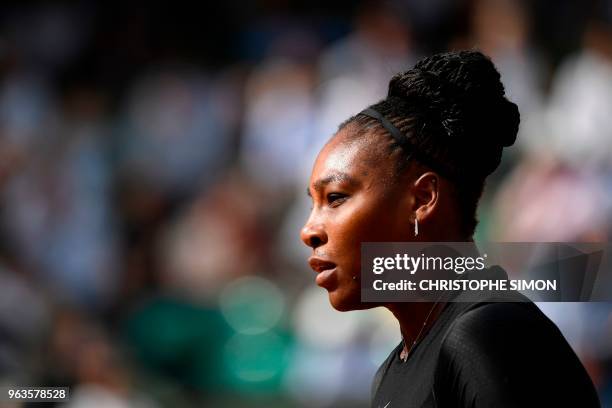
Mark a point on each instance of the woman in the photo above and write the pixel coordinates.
(412, 167)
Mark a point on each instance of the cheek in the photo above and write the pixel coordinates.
(361, 221)
(370, 220)
(364, 221)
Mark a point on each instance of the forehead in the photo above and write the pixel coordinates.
(359, 157)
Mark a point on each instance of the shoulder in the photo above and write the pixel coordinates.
(509, 352)
(512, 336)
(504, 321)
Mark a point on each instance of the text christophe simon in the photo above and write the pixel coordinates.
(459, 265)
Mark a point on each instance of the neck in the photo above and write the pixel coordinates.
(411, 318)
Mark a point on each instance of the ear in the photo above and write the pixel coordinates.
(426, 191)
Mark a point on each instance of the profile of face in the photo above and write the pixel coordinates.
(357, 198)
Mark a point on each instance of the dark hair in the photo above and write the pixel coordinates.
(452, 110)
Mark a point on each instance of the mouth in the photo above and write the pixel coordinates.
(325, 271)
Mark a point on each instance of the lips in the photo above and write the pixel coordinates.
(325, 271)
(319, 265)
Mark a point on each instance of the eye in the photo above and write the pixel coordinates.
(335, 199)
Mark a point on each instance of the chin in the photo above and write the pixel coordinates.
(345, 302)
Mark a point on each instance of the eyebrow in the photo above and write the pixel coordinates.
(335, 177)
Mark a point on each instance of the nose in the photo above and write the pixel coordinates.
(313, 234)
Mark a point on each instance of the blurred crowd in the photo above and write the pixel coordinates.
(153, 163)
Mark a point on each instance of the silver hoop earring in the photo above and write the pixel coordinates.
(416, 226)
(354, 277)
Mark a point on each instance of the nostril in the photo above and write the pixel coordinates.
(315, 242)
(313, 235)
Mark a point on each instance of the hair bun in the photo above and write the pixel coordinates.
(509, 118)
(415, 84)
(462, 101)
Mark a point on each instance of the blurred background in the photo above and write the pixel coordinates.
(153, 163)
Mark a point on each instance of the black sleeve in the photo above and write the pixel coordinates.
(509, 355)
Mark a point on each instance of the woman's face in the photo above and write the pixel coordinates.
(355, 199)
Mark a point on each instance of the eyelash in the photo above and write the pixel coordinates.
(335, 199)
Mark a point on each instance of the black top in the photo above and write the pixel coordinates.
(489, 353)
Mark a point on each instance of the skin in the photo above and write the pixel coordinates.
(356, 198)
